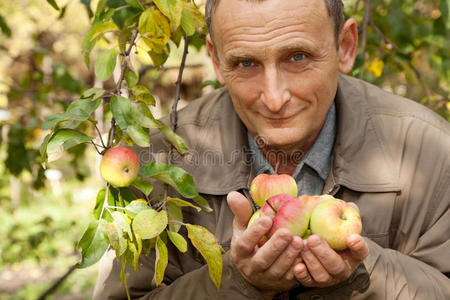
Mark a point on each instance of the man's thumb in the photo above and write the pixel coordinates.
(241, 208)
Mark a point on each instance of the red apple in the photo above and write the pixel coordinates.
(288, 212)
(335, 220)
(265, 186)
(119, 166)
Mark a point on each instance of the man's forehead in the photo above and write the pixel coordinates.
(260, 17)
(251, 11)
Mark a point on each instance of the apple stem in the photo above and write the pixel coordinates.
(276, 167)
(271, 206)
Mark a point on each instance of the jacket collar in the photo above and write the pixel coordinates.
(360, 160)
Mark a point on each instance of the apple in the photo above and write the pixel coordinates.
(265, 186)
(312, 201)
(119, 166)
(335, 220)
(287, 212)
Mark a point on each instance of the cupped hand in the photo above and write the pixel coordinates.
(268, 268)
(323, 266)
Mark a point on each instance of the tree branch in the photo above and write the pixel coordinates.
(173, 114)
(112, 131)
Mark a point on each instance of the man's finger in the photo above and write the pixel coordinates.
(358, 247)
(329, 259)
(241, 208)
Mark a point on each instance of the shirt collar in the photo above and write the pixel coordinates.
(318, 157)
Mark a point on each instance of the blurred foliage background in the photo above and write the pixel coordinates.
(403, 48)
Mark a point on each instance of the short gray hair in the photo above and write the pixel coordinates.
(335, 10)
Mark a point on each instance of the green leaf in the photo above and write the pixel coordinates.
(78, 111)
(173, 138)
(43, 149)
(4, 27)
(143, 185)
(172, 10)
(126, 16)
(149, 223)
(142, 93)
(135, 4)
(93, 244)
(53, 4)
(174, 214)
(207, 244)
(133, 252)
(94, 93)
(100, 200)
(203, 203)
(139, 135)
(135, 207)
(158, 58)
(154, 26)
(105, 64)
(162, 260)
(174, 176)
(182, 203)
(191, 18)
(142, 116)
(116, 239)
(122, 222)
(131, 78)
(63, 140)
(103, 28)
(148, 245)
(178, 240)
(121, 109)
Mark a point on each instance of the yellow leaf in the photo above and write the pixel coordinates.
(376, 67)
(208, 246)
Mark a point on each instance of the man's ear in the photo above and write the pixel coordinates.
(348, 44)
(214, 58)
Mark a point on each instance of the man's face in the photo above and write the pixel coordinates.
(280, 64)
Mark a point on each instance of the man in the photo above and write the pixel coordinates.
(280, 62)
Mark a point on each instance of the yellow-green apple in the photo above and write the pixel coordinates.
(265, 186)
(335, 220)
(119, 166)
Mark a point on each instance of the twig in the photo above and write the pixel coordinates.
(95, 146)
(125, 64)
(112, 131)
(364, 28)
(100, 135)
(173, 114)
(57, 283)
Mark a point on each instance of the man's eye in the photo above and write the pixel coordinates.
(298, 57)
(246, 63)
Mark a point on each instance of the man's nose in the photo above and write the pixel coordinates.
(274, 93)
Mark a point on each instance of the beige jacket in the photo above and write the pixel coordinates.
(391, 157)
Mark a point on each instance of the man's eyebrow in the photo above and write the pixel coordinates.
(238, 55)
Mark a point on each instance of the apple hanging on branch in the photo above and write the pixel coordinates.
(134, 223)
(119, 166)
